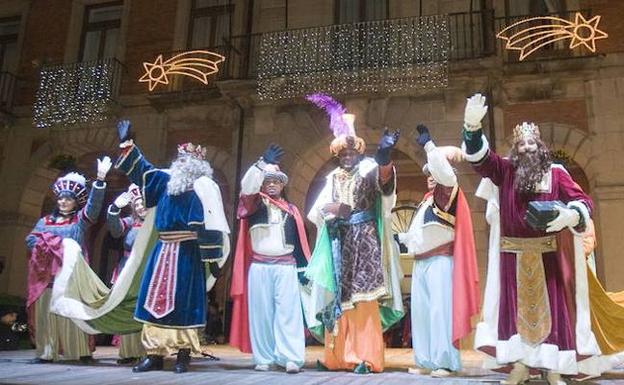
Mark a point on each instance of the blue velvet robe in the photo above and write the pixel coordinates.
(182, 212)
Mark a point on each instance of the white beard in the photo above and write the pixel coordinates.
(184, 172)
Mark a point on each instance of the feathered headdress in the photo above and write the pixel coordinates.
(72, 184)
(341, 123)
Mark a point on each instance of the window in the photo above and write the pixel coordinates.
(210, 23)
(533, 7)
(355, 11)
(9, 29)
(101, 31)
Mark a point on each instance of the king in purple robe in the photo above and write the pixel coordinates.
(536, 309)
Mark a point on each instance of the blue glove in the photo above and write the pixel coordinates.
(302, 278)
(124, 131)
(423, 135)
(386, 144)
(214, 268)
(273, 154)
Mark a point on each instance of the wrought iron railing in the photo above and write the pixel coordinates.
(8, 83)
(241, 58)
(471, 34)
(351, 47)
(77, 92)
(556, 50)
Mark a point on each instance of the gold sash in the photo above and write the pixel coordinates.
(533, 320)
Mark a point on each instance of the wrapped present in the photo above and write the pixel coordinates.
(540, 213)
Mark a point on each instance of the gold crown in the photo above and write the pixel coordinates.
(196, 151)
(526, 129)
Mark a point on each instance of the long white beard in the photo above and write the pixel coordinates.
(183, 173)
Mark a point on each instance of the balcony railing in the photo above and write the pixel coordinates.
(8, 82)
(471, 34)
(241, 54)
(77, 93)
(348, 48)
(344, 53)
(557, 50)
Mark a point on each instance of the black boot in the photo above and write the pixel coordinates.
(182, 363)
(127, 360)
(86, 360)
(151, 362)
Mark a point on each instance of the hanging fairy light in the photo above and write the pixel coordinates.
(375, 56)
(75, 93)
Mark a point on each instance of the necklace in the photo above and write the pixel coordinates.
(346, 181)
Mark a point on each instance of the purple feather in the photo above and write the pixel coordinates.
(334, 110)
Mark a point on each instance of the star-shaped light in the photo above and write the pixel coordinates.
(155, 73)
(198, 64)
(586, 32)
(529, 35)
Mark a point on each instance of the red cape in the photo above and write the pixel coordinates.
(239, 328)
(466, 292)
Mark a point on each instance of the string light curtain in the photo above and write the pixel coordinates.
(373, 56)
(76, 93)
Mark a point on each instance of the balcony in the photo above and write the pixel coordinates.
(376, 56)
(77, 93)
(556, 50)
(241, 54)
(411, 51)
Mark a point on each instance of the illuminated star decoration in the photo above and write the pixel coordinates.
(198, 64)
(533, 37)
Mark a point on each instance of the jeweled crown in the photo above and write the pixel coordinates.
(526, 129)
(196, 151)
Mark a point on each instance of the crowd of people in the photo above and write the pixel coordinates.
(536, 313)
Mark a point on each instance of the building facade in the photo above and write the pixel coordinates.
(71, 68)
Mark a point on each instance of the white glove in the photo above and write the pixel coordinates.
(453, 154)
(474, 112)
(122, 200)
(103, 165)
(566, 217)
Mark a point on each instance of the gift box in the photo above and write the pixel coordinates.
(540, 213)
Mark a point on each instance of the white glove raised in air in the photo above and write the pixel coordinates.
(122, 200)
(103, 166)
(474, 112)
(567, 217)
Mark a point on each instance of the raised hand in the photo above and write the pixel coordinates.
(423, 135)
(474, 112)
(122, 200)
(103, 166)
(273, 154)
(386, 144)
(124, 131)
(388, 139)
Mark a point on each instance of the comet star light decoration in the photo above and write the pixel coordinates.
(198, 64)
(531, 38)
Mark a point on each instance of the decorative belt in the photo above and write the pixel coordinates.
(445, 249)
(533, 320)
(519, 245)
(177, 236)
(361, 217)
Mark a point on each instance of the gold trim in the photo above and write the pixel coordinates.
(450, 218)
(364, 297)
(521, 245)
